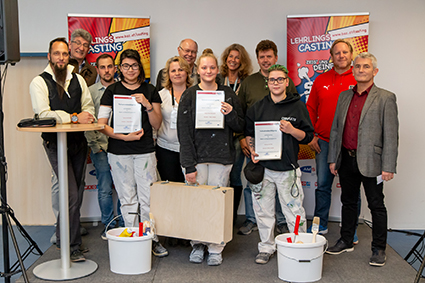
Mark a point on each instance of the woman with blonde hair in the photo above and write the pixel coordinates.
(207, 155)
(176, 79)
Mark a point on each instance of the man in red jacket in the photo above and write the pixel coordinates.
(321, 106)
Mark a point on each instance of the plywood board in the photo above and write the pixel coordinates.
(202, 213)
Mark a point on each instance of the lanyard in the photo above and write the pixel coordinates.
(172, 97)
(227, 82)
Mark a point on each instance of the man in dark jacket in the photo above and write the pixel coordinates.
(279, 157)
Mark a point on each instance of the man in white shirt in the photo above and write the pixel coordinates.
(60, 94)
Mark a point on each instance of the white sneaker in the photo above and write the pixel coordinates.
(197, 254)
(214, 259)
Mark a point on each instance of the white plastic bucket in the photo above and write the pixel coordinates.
(129, 255)
(300, 262)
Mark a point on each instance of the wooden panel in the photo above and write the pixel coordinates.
(196, 213)
(28, 170)
(63, 128)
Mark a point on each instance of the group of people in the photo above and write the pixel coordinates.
(170, 143)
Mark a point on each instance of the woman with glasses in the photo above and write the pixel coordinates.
(207, 154)
(235, 67)
(176, 79)
(131, 154)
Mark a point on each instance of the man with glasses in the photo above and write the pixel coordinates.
(253, 89)
(79, 47)
(363, 149)
(188, 50)
(63, 95)
(282, 176)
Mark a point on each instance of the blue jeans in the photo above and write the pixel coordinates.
(249, 210)
(104, 189)
(325, 179)
(235, 174)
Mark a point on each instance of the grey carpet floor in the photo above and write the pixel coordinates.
(238, 264)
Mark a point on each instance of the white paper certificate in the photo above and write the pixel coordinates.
(127, 114)
(268, 140)
(208, 105)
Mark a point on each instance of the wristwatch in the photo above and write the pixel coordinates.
(74, 118)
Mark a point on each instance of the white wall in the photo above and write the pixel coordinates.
(396, 38)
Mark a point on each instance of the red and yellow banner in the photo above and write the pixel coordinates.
(309, 40)
(112, 35)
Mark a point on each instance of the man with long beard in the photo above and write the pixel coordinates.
(78, 48)
(59, 94)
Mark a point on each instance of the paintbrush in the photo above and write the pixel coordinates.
(315, 228)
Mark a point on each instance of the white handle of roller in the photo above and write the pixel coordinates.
(314, 237)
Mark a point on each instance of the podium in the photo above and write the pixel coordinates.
(63, 268)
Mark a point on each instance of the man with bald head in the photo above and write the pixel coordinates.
(188, 50)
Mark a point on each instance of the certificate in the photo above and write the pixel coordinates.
(127, 114)
(208, 105)
(268, 140)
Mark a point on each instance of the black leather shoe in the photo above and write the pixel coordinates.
(340, 247)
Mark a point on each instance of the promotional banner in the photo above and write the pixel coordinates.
(309, 40)
(113, 34)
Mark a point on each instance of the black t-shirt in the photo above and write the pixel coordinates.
(145, 144)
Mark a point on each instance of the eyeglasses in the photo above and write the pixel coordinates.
(127, 67)
(187, 51)
(279, 80)
(78, 43)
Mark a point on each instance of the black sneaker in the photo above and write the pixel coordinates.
(340, 247)
(378, 257)
(247, 228)
(158, 250)
(77, 256)
(282, 229)
(83, 231)
(82, 249)
(263, 258)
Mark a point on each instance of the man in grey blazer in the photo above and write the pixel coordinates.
(363, 148)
